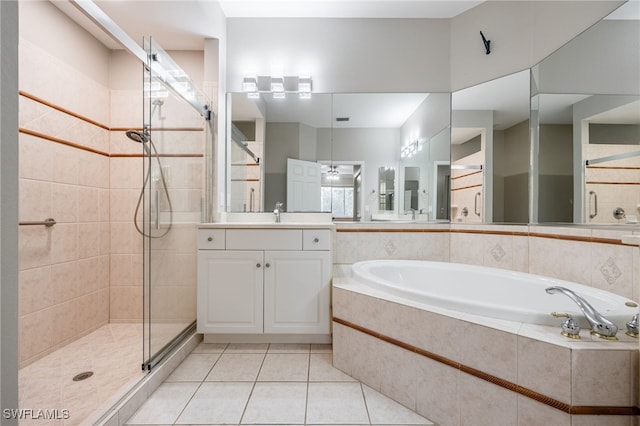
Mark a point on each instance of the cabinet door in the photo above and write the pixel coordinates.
(230, 286)
(296, 292)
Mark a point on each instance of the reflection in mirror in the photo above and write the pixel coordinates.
(490, 151)
(349, 137)
(386, 188)
(341, 192)
(386, 134)
(587, 125)
(276, 131)
(411, 188)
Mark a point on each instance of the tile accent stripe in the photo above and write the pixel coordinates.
(612, 183)
(61, 109)
(467, 187)
(466, 175)
(544, 399)
(488, 232)
(62, 141)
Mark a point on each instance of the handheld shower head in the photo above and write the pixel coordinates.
(138, 136)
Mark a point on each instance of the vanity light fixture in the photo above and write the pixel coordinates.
(277, 84)
(253, 85)
(411, 149)
(304, 87)
(250, 84)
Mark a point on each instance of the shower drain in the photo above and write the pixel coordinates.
(82, 376)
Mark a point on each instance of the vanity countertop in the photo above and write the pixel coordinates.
(266, 225)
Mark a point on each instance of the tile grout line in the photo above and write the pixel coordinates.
(199, 386)
(306, 400)
(246, 405)
(364, 398)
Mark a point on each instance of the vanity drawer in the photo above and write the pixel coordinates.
(316, 239)
(264, 239)
(211, 239)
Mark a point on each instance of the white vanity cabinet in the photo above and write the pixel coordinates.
(266, 285)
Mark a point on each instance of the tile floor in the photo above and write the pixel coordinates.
(113, 353)
(267, 384)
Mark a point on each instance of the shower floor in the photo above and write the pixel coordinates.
(113, 353)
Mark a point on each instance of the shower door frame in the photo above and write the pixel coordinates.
(154, 347)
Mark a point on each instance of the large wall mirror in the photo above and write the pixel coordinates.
(371, 156)
(586, 125)
(490, 151)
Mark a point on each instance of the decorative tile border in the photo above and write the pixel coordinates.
(544, 399)
(563, 237)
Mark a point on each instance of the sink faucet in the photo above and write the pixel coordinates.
(600, 325)
(413, 213)
(277, 210)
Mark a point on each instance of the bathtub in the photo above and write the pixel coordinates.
(488, 292)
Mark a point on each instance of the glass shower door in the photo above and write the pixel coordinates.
(174, 189)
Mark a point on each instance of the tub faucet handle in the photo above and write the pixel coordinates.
(632, 326)
(570, 328)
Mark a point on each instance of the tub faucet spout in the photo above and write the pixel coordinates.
(600, 325)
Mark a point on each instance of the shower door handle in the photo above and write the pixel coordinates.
(475, 208)
(592, 194)
(157, 209)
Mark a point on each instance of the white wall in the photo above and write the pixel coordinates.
(343, 55)
(521, 32)
(584, 65)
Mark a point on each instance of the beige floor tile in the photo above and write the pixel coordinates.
(194, 368)
(284, 368)
(288, 348)
(209, 348)
(165, 404)
(236, 367)
(321, 369)
(385, 411)
(336, 403)
(217, 403)
(276, 403)
(251, 348)
(319, 348)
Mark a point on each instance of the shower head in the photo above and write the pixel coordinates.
(137, 136)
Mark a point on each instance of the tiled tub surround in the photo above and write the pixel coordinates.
(592, 257)
(457, 368)
(516, 353)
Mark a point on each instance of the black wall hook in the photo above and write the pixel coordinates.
(487, 43)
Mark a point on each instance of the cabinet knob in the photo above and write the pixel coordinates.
(316, 240)
(267, 265)
(258, 265)
(210, 239)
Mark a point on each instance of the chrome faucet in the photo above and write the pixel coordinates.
(413, 213)
(277, 210)
(600, 325)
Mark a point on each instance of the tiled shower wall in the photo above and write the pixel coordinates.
(64, 269)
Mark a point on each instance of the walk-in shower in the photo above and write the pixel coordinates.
(92, 288)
